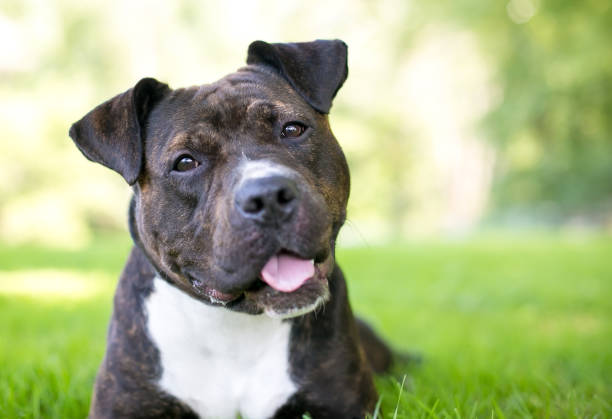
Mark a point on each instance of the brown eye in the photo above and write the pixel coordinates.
(185, 163)
(293, 130)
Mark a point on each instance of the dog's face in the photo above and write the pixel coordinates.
(240, 187)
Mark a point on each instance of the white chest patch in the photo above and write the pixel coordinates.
(219, 362)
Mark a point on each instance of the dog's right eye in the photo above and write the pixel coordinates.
(185, 163)
(293, 130)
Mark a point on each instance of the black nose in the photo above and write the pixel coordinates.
(267, 200)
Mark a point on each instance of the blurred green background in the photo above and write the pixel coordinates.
(457, 115)
(479, 136)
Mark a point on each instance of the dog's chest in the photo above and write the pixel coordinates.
(219, 362)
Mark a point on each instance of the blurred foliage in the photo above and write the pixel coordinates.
(553, 125)
(454, 110)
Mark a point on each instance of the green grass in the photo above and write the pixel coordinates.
(506, 328)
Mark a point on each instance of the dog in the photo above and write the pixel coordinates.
(231, 303)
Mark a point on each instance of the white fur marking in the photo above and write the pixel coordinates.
(219, 362)
(253, 169)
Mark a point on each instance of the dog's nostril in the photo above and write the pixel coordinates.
(285, 196)
(253, 205)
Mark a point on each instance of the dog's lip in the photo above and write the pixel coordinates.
(213, 294)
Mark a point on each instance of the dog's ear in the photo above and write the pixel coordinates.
(111, 134)
(316, 70)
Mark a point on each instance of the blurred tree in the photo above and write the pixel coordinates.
(553, 125)
(413, 65)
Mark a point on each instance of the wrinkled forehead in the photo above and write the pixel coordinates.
(247, 98)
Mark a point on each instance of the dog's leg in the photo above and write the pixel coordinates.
(377, 352)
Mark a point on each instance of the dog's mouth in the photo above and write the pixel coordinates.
(287, 286)
(285, 272)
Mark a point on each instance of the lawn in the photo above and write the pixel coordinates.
(506, 327)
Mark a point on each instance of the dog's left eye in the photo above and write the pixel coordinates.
(293, 130)
(185, 163)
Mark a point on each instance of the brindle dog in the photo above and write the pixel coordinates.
(231, 302)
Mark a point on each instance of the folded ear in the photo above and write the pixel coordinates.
(316, 70)
(111, 134)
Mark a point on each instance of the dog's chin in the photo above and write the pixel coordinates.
(261, 298)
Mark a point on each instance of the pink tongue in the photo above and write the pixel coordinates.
(287, 273)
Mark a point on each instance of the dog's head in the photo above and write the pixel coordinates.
(240, 187)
